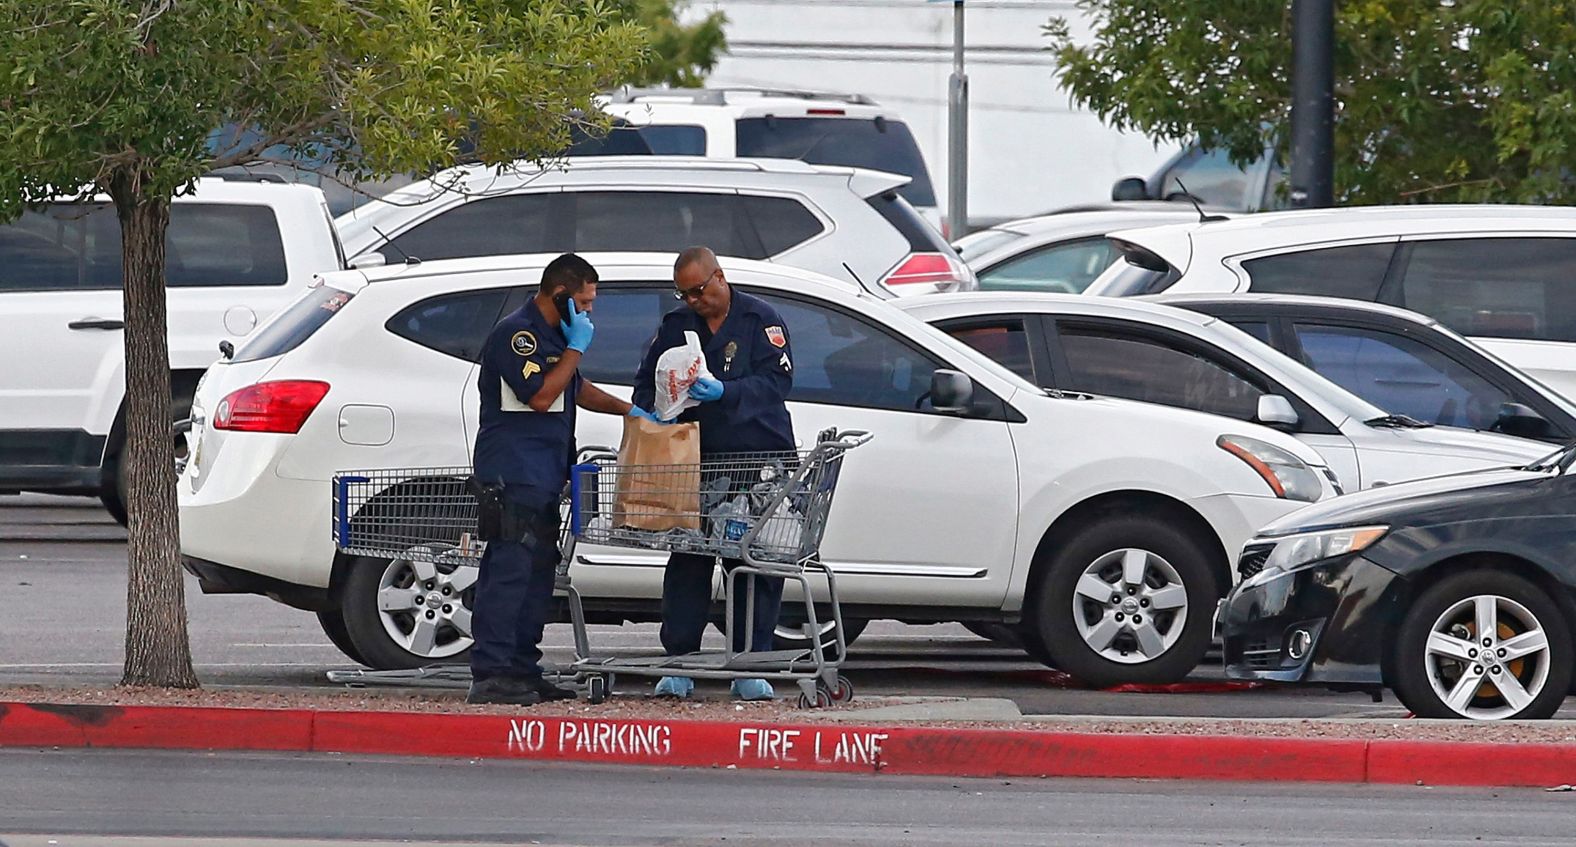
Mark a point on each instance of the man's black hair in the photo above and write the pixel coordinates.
(569, 271)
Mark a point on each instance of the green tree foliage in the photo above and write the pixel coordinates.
(681, 54)
(1436, 101)
(118, 97)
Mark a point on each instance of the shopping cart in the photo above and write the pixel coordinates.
(766, 510)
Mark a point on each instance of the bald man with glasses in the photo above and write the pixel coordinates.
(743, 410)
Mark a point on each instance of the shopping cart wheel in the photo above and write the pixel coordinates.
(596, 689)
(844, 692)
(822, 700)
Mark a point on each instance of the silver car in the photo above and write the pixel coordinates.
(1061, 252)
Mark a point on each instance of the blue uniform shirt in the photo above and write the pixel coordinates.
(515, 444)
(750, 353)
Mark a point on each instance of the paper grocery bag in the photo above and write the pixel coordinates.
(667, 496)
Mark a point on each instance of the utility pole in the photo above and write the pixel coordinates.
(957, 133)
(1313, 104)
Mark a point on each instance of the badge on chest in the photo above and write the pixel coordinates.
(728, 353)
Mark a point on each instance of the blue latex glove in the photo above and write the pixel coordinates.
(637, 412)
(706, 389)
(577, 328)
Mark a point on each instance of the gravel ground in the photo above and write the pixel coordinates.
(640, 707)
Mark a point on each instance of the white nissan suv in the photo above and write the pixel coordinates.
(236, 250)
(981, 498)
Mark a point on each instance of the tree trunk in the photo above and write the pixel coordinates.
(158, 649)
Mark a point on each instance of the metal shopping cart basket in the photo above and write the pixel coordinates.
(767, 510)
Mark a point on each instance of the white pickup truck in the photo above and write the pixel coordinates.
(237, 250)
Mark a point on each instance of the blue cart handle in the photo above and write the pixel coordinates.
(574, 494)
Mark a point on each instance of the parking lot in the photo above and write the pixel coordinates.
(62, 561)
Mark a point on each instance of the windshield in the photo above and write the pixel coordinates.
(878, 144)
(1338, 403)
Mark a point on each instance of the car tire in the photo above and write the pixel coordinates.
(791, 635)
(1097, 639)
(333, 623)
(1441, 669)
(389, 640)
(113, 491)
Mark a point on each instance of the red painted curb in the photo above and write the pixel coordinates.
(808, 747)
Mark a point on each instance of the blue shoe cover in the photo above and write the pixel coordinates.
(753, 689)
(675, 686)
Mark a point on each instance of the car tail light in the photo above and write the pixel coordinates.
(920, 268)
(826, 112)
(281, 406)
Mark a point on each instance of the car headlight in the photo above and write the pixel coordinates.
(1288, 476)
(1296, 551)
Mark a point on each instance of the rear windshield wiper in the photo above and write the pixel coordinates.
(1397, 422)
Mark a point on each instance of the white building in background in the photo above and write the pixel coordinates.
(1030, 150)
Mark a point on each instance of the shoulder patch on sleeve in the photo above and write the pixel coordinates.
(524, 343)
(776, 336)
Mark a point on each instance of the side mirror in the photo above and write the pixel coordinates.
(1275, 410)
(1130, 188)
(369, 260)
(951, 392)
(1521, 421)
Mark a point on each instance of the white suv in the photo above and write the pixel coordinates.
(816, 127)
(236, 251)
(1501, 275)
(848, 223)
(1004, 506)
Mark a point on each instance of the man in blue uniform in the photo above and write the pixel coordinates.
(530, 389)
(743, 409)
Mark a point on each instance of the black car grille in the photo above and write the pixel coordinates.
(1264, 654)
(1252, 560)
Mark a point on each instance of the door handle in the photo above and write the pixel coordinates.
(97, 323)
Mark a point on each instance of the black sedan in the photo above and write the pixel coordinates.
(1397, 360)
(1457, 592)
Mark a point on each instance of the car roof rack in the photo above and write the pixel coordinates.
(718, 96)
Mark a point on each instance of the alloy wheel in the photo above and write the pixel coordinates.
(1130, 606)
(1487, 657)
(424, 601)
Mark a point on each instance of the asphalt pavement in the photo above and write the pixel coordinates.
(62, 582)
(100, 796)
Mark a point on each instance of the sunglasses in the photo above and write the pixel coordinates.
(691, 295)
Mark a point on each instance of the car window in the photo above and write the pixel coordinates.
(1005, 341)
(77, 246)
(1257, 329)
(1139, 368)
(662, 221)
(878, 144)
(675, 139)
(210, 244)
(454, 324)
(842, 360)
(1211, 177)
(491, 226)
(1401, 375)
(626, 322)
(1065, 268)
(294, 324)
(782, 223)
(1354, 271)
(1497, 287)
